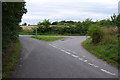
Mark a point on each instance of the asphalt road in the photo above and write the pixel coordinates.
(60, 59)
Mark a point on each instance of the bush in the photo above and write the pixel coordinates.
(108, 35)
(96, 33)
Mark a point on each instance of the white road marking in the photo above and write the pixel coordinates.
(59, 48)
(85, 60)
(91, 64)
(50, 44)
(95, 66)
(80, 59)
(53, 46)
(67, 52)
(74, 55)
(107, 72)
(62, 50)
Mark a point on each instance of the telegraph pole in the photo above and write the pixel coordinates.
(36, 31)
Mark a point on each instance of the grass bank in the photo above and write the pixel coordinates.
(107, 51)
(10, 59)
(48, 38)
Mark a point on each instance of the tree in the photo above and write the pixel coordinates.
(55, 23)
(45, 23)
(70, 22)
(113, 19)
(85, 25)
(44, 26)
(12, 13)
(24, 24)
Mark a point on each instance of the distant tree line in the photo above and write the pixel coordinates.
(71, 27)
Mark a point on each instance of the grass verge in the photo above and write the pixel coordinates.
(55, 34)
(48, 38)
(10, 59)
(107, 52)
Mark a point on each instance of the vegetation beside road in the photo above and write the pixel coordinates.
(107, 52)
(48, 38)
(10, 60)
(103, 43)
(11, 17)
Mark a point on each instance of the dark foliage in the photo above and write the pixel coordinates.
(12, 13)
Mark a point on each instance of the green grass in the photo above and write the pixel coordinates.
(24, 33)
(55, 34)
(10, 59)
(48, 38)
(107, 51)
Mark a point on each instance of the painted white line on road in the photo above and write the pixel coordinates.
(50, 44)
(70, 51)
(107, 72)
(54, 46)
(80, 59)
(95, 66)
(59, 48)
(85, 60)
(91, 64)
(103, 70)
(62, 50)
(67, 52)
(74, 56)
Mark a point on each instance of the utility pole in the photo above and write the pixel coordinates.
(36, 31)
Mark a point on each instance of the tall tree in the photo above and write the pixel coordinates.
(12, 13)
(45, 23)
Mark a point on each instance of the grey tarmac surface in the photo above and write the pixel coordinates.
(60, 59)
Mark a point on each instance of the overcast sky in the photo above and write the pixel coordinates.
(76, 10)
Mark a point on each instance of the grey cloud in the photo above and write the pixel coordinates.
(69, 10)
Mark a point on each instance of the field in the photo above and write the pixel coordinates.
(27, 27)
